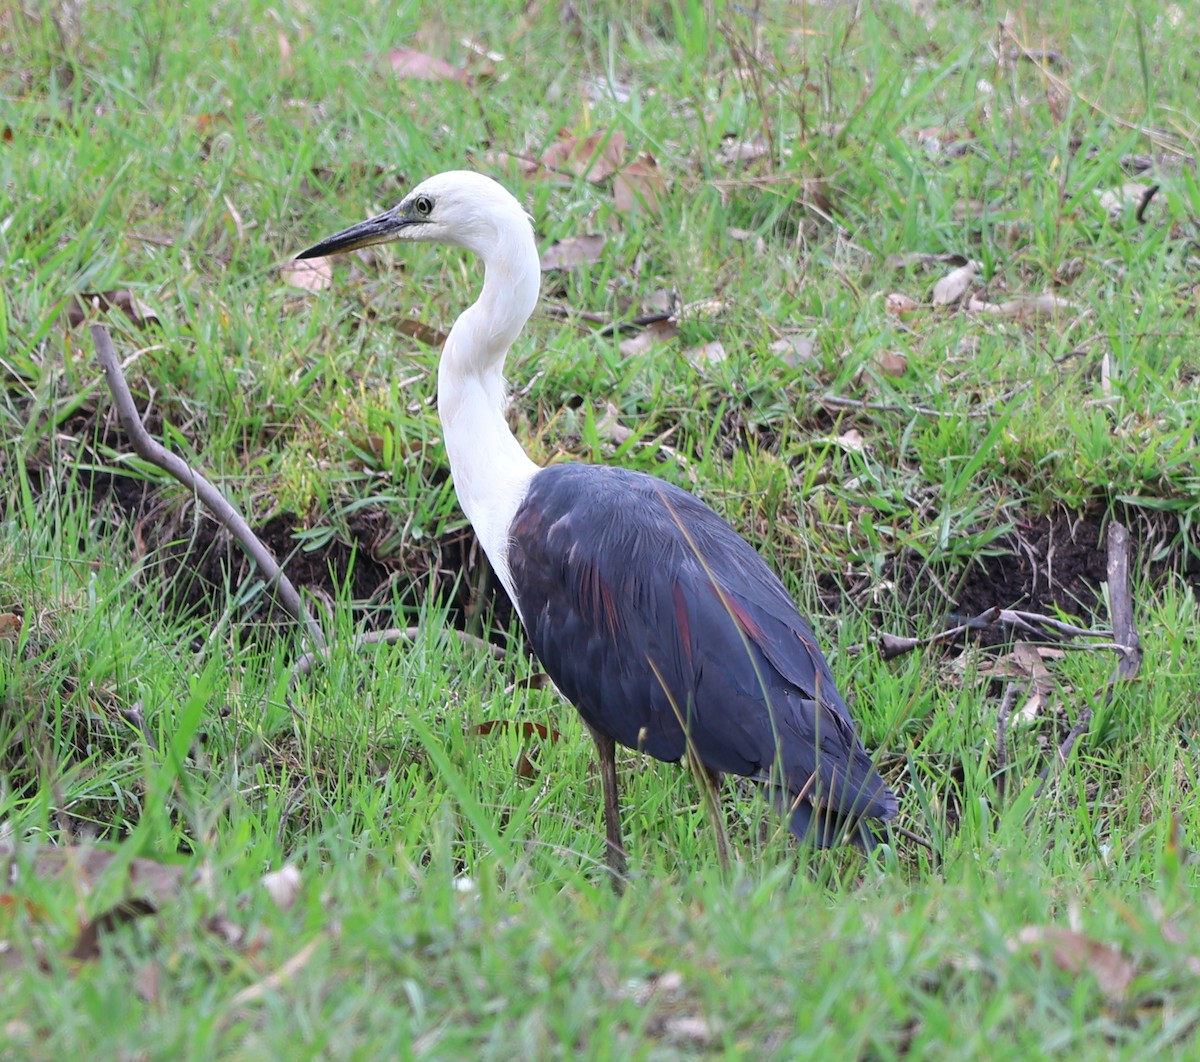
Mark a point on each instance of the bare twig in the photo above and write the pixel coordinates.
(221, 508)
(1032, 623)
(1128, 645)
(1002, 718)
(916, 838)
(893, 407)
(275, 980)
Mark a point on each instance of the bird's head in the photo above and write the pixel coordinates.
(461, 208)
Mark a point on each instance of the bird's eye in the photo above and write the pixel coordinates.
(423, 206)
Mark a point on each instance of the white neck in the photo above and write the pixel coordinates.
(490, 470)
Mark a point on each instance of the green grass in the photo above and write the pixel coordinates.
(451, 905)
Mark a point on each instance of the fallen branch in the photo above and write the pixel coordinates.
(222, 509)
(1032, 623)
(893, 407)
(1128, 646)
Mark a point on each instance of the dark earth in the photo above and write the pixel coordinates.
(1048, 562)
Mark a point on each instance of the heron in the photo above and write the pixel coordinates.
(665, 629)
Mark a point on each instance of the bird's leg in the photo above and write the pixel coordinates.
(710, 785)
(614, 855)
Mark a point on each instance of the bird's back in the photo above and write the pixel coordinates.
(657, 620)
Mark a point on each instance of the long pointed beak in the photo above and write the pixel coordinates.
(379, 229)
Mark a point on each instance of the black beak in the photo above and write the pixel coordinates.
(379, 229)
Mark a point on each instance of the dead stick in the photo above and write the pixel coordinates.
(893, 407)
(221, 508)
(893, 645)
(1128, 644)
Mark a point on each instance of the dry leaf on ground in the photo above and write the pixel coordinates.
(422, 332)
(595, 157)
(651, 335)
(913, 259)
(1132, 195)
(794, 350)
(148, 883)
(1026, 308)
(1026, 663)
(573, 251)
(640, 182)
(311, 274)
(892, 363)
(417, 66)
(283, 885)
(710, 353)
(81, 307)
(1075, 953)
(609, 426)
(524, 767)
(852, 441)
(733, 151)
(84, 866)
(899, 305)
(953, 286)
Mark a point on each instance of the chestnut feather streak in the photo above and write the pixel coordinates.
(663, 627)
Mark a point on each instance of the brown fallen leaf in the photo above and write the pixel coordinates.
(710, 353)
(734, 151)
(283, 886)
(422, 332)
(913, 259)
(595, 157)
(892, 363)
(899, 305)
(149, 884)
(418, 66)
(84, 865)
(524, 766)
(1026, 663)
(953, 286)
(573, 251)
(794, 350)
(1074, 953)
(82, 307)
(1132, 195)
(748, 236)
(524, 165)
(692, 1029)
(650, 336)
(87, 943)
(1026, 308)
(311, 274)
(851, 441)
(524, 727)
(10, 625)
(639, 183)
(609, 425)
